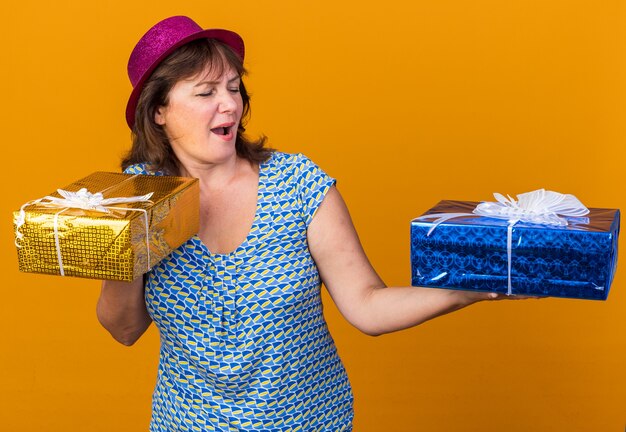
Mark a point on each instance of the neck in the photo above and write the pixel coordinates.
(214, 176)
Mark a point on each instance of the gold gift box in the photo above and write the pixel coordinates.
(108, 245)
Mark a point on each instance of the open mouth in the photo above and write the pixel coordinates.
(222, 130)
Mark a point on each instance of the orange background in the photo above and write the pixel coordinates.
(405, 103)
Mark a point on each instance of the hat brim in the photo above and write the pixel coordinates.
(232, 39)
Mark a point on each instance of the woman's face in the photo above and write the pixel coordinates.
(202, 117)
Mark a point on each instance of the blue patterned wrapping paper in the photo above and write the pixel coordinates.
(470, 253)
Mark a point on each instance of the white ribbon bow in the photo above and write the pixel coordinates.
(539, 206)
(85, 200)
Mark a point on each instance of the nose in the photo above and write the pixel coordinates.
(228, 102)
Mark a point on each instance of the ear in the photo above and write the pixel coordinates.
(159, 116)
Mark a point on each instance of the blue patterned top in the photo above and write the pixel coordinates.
(244, 343)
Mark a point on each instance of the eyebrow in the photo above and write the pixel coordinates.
(233, 79)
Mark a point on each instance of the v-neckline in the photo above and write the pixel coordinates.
(255, 221)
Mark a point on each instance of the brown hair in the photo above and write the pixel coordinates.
(150, 143)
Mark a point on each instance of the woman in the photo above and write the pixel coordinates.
(244, 345)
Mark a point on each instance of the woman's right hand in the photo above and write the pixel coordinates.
(122, 310)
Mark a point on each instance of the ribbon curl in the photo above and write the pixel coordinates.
(538, 207)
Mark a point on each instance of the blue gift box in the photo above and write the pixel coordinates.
(470, 253)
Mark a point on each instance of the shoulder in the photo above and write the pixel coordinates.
(301, 173)
(142, 169)
(293, 163)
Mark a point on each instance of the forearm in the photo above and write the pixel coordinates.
(122, 310)
(384, 310)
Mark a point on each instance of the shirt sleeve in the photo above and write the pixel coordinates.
(141, 169)
(313, 185)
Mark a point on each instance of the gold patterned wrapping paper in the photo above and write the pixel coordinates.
(113, 245)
